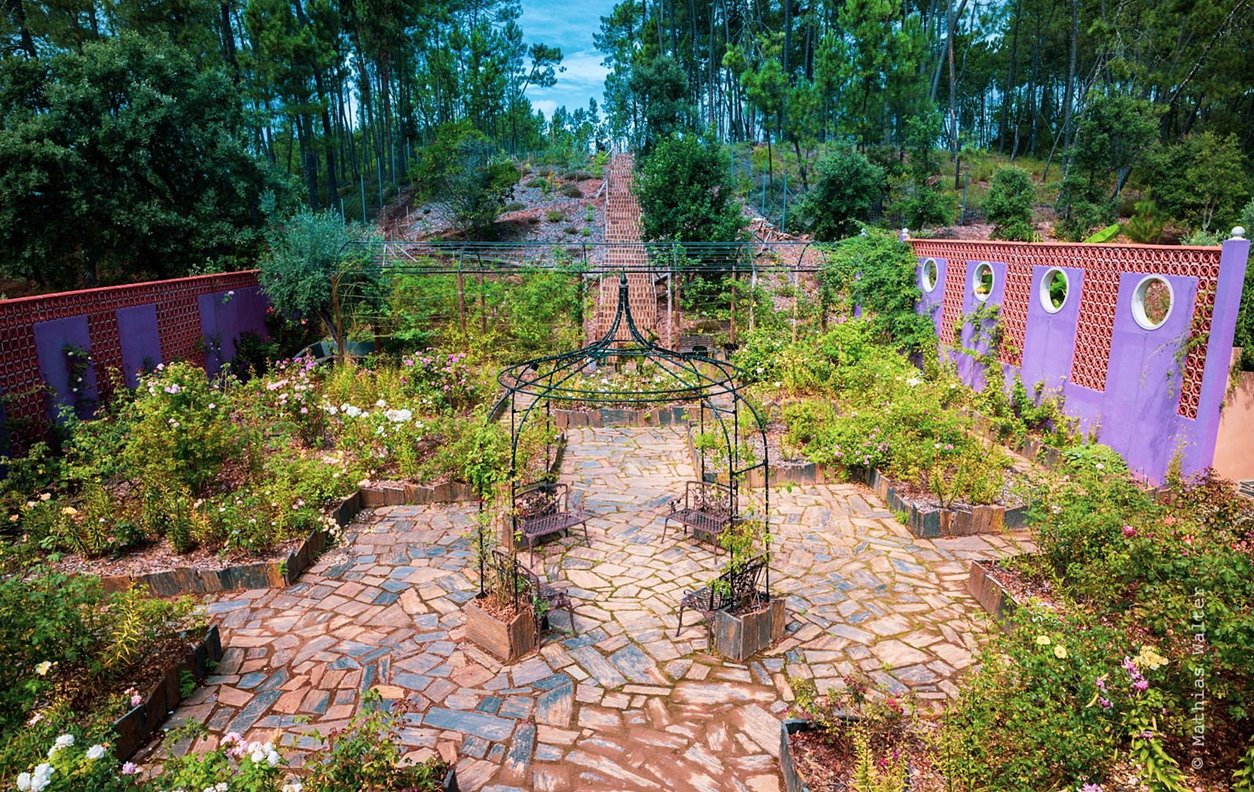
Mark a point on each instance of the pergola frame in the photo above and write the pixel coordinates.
(693, 377)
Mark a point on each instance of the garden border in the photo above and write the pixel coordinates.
(672, 415)
(141, 722)
(788, 765)
(992, 596)
(278, 574)
(924, 521)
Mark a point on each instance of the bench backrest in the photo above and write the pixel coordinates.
(709, 497)
(538, 500)
(737, 585)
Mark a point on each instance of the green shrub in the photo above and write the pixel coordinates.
(1201, 180)
(925, 205)
(877, 272)
(1031, 718)
(686, 195)
(1009, 204)
(555, 215)
(846, 188)
(1145, 227)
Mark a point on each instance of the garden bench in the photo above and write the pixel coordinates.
(553, 597)
(734, 588)
(543, 509)
(705, 509)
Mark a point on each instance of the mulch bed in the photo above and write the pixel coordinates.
(826, 762)
(161, 557)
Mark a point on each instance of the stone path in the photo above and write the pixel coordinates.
(622, 226)
(624, 704)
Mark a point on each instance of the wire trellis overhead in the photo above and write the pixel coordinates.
(681, 377)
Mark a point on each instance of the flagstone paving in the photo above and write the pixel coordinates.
(622, 704)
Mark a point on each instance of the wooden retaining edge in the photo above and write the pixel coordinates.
(788, 765)
(1044, 455)
(137, 726)
(607, 416)
(277, 574)
(930, 522)
(991, 595)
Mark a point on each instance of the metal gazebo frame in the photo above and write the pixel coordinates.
(694, 377)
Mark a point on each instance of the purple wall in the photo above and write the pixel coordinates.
(224, 316)
(51, 339)
(1138, 413)
(140, 340)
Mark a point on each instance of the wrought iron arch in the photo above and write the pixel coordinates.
(690, 377)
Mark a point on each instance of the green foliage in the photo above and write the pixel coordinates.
(659, 88)
(685, 194)
(1031, 717)
(1104, 235)
(1114, 133)
(367, 755)
(1009, 204)
(846, 188)
(63, 644)
(877, 272)
(320, 268)
(1145, 227)
(506, 319)
(1201, 181)
(464, 171)
(126, 159)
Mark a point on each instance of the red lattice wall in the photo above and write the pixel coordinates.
(178, 326)
(1102, 266)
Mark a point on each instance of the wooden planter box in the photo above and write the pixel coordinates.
(135, 728)
(506, 641)
(450, 781)
(989, 593)
(793, 782)
(739, 637)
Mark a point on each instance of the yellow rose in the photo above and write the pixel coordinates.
(1042, 640)
(1060, 652)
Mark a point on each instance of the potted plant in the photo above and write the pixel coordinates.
(501, 619)
(750, 620)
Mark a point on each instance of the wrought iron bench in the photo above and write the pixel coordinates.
(735, 587)
(543, 509)
(516, 579)
(705, 509)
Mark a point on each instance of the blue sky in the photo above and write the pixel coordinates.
(570, 25)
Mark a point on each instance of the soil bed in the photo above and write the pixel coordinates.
(161, 557)
(826, 762)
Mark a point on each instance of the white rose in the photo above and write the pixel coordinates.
(95, 752)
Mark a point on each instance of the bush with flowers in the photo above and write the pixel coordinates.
(69, 652)
(365, 756)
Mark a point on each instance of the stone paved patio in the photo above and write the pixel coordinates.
(624, 704)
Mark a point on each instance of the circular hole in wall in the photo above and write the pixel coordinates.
(1054, 288)
(1152, 302)
(929, 275)
(982, 285)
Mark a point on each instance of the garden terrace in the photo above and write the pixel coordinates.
(623, 703)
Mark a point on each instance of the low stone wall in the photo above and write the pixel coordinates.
(137, 726)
